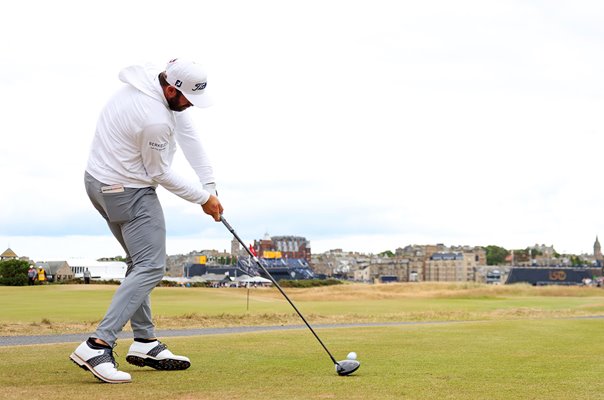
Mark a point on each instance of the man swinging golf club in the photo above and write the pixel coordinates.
(131, 154)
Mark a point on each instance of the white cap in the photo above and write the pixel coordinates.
(190, 79)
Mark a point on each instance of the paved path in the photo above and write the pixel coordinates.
(79, 337)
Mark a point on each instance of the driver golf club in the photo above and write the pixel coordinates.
(344, 367)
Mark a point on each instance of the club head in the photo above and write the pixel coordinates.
(347, 367)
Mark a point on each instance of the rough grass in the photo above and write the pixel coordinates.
(78, 308)
(441, 290)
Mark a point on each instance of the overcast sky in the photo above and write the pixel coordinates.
(361, 125)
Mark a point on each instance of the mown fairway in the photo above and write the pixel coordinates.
(489, 343)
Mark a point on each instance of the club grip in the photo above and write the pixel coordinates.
(224, 221)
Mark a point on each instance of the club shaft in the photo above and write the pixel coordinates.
(230, 228)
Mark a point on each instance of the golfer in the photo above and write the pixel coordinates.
(131, 153)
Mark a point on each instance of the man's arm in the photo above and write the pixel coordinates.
(189, 141)
(155, 142)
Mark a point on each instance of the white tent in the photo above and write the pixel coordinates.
(181, 280)
(253, 279)
(102, 270)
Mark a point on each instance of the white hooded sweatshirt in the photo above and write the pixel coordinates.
(135, 140)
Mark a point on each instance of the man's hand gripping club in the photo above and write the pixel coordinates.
(213, 208)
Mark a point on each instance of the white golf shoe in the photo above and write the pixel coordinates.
(100, 362)
(156, 355)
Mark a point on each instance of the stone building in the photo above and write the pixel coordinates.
(413, 263)
(384, 270)
(287, 246)
(56, 271)
(598, 254)
(451, 267)
(341, 264)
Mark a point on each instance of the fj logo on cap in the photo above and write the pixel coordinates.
(178, 83)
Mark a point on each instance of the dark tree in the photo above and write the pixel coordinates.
(13, 272)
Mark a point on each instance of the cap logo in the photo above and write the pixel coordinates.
(178, 83)
(199, 86)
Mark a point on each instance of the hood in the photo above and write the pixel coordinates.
(145, 79)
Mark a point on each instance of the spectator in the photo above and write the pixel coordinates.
(41, 275)
(31, 275)
(86, 276)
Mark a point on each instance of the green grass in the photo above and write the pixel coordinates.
(520, 359)
(78, 308)
(494, 343)
(68, 302)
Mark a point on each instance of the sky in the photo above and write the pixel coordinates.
(360, 125)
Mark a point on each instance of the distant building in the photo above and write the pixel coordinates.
(286, 246)
(101, 270)
(56, 271)
(235, 248)
(539, 255)
(8, 254)
(342, 264)
(598, 254)
(413, 263)
(389, 270)
(451, 267)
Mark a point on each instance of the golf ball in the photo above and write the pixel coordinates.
(352, 355)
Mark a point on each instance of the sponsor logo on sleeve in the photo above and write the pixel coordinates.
(158, 146)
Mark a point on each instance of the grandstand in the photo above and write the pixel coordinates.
(539, 276)
(279, 268)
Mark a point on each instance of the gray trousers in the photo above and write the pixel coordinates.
(136, 219)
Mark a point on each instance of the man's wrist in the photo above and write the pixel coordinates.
(210, 188)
